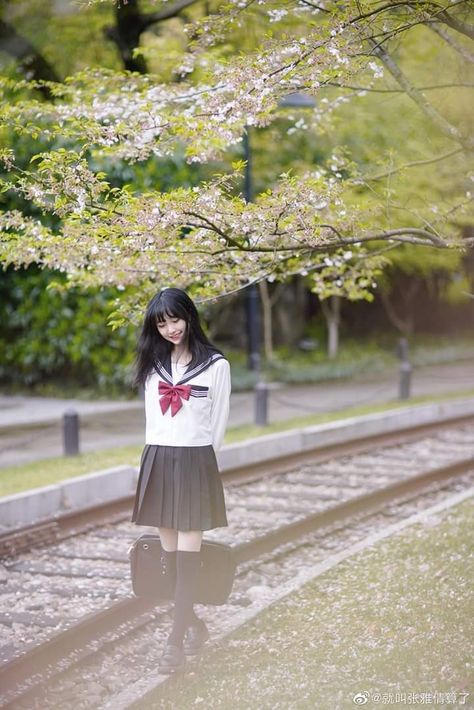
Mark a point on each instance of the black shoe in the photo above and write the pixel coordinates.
(196, 635)
(172, 659)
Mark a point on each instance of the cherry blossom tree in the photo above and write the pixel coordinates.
(335, 222)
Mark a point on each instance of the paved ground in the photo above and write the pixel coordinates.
(30, 427)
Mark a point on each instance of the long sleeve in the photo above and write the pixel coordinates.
(221, 387)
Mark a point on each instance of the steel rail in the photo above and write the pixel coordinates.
(37, 658)
(366, 504)
(133, 612)
(74, 522)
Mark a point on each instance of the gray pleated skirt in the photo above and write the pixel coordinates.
(179, 487)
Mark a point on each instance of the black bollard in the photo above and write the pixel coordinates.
(71, 432)
(261, 403)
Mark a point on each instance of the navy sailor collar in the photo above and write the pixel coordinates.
(164, 368)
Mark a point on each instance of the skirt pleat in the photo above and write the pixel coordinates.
(179, 487)
(146, 464)
(204, 501)
(186, 491)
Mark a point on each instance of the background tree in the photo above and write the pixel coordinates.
(311, 221)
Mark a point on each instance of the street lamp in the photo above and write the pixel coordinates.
(296, 99)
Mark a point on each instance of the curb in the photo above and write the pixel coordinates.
(49, 502)
(271, 446)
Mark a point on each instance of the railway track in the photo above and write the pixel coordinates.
(65, 590)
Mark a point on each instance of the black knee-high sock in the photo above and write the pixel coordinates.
(170, 564)
(187, 570)
(169, 559)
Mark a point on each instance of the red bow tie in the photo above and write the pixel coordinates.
(172, 395)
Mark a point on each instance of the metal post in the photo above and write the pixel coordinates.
(253, 328)
(404, 384)
(71, 433)
(253, 301)
(261, 403)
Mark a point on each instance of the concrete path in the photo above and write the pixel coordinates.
(30, 427)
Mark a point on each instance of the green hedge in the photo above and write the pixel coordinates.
(60, 337)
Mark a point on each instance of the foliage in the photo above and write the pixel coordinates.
(52, 334)
(336, 221)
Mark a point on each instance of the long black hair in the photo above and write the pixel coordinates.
(153, 348)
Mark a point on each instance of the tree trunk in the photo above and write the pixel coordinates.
(130, 25)
(126, 34)
(32, 63)
(331, 309)
(403, 322)
(267, 320)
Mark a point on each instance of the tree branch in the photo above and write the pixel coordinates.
(441, 32)
(314, 6)
(413, 235)
(413, 164)
(165, 14)
(442, 124)
(455, 24)
(405, 231)
(375, 90)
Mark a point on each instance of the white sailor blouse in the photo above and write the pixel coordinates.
(188, 407)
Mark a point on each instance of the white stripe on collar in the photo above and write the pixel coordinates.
(197, 369)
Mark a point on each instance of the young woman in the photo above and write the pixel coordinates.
(187, 389)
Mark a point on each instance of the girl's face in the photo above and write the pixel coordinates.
(172, 329)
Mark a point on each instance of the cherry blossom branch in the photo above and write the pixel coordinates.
(378, 90)
(401, 235)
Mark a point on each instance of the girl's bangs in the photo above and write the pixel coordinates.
(164, 310)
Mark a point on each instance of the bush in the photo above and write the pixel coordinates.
(60, 336)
